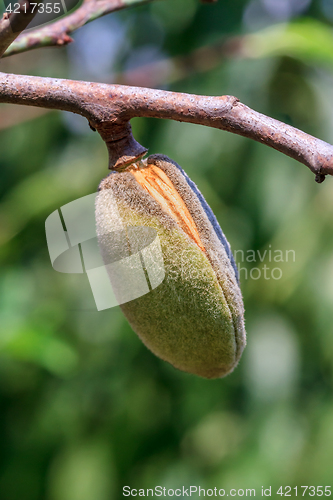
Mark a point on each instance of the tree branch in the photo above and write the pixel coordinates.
(110, 107)
(57, 33)
(11, 25)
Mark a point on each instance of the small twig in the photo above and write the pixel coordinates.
(11, 25)
(110, 107)
(57, 33)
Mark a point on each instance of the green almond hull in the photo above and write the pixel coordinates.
(194, 318)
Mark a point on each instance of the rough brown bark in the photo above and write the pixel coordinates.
(109, 108)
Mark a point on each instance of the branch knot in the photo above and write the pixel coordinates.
(123, 149)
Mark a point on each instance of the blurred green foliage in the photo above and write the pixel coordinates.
(85, 408)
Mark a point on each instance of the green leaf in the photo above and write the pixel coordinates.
(308, 40)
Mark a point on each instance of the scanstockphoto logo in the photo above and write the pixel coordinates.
(45, 11)
(123, 262)
(266, 264)
(132, 262)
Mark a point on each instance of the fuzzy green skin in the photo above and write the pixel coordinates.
(194, 318)
(186, 320)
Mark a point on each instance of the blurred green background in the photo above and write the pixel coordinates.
(85, 408)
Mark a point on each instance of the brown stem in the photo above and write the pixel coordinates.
(110, 107)
(57, 33)
(11, 25)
